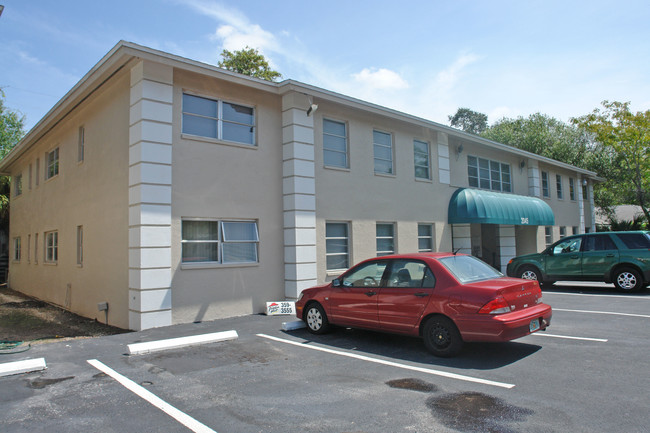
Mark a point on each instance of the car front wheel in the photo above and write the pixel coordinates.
(316, 319)
(628, 280)
(441, 337)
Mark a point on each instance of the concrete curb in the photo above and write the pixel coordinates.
(26, 366)
(175, 343)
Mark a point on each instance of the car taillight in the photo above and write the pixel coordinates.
(495, 306)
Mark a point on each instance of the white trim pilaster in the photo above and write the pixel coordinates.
(150, 197)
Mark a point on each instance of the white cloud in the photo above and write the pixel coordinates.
(449, 77)
(383, 79)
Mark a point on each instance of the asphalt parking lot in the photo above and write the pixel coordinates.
(587, 373)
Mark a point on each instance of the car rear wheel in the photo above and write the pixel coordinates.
(628, 280)
(531, 273)
(316, 319)
(441, 337)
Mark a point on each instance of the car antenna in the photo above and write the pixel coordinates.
(459, 248)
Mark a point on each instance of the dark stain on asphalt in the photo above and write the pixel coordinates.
(41, 383)
(100, 375)
(476, 412)
(412, 385)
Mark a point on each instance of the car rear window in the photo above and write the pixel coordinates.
(635, 241)
(468, 269)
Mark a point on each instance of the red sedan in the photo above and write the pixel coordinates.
(445, 298)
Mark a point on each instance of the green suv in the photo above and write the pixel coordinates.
(622, 258)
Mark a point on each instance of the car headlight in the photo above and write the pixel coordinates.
(300, 297)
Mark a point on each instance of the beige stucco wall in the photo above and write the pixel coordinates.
(216, 180)
(92, 194)
(362, 198)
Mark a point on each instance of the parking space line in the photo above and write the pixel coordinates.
(170, 410)
(636, 298)
(602, 312)
(391, 364)
(176, 343)
(599, 340)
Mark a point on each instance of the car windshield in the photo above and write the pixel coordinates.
(468, 269)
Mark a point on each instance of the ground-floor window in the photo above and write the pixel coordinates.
(425, 238)
(219, 242)
(385, 239)
(17, 248)
(51, 247)
(548, 235)
(337, 241)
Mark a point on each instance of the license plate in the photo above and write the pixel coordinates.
(534, 325)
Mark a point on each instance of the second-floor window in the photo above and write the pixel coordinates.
(421, 159)
(383, 146)
(18, 184)
(545, 188)
(558, 184)
(52, 161)
(487, 174)
(335, 144)
(218, 119)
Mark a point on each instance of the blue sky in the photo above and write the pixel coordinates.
(426, 58)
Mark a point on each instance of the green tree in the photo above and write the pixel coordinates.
(469, 121)
(626, 136)
(552, 138)
(248, 62)
(11, 131)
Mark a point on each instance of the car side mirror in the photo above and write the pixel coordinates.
(336, 283)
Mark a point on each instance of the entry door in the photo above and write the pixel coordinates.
(565, 260)
(407, 291)
(354, 302)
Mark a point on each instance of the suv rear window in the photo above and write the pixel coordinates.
(635, 241)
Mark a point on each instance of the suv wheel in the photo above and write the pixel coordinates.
(627, 280)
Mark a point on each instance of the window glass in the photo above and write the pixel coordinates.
(598, 243)
(486, 174)
(568, 246)
(383, 151)
(572, 188)
(201, 106)
(18, 184)
(52, 163)
(421, 159)
(335, 144)
(409, 273)
(365, 275)
(217, 119)
(545, 189)
(425, 238)
(385, 239)
(558, 183)
(17, 249)
(635, 241)
(336, 245)
(239, 242)
(467, 269)
(52, 247)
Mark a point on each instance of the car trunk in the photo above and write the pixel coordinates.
(519, 294)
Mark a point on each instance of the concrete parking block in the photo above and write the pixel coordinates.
(26, 366)
(175, 343)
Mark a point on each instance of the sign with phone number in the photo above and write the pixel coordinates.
(284, 308)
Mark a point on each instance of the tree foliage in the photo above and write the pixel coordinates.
(469, 121)
(248, 61)
(626, 137)
(11, 131)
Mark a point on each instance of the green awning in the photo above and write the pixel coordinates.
(488, 207)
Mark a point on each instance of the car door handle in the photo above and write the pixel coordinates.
(610, 255)
(574, 257)
(421, 295)
(371, 293)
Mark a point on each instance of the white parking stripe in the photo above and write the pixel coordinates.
(170, 410)
(603, 312)
(600, 340)
(390, 363)
(636, 298)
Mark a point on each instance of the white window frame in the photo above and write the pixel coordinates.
(490, 175)
(51, 247)
(559, 187)
(52, 164)
(379, 238)
(428, 238)
(345, 239)
(376, 145)
(546, 188)
(80, 245)
(417, 152)
(18, 184)
(336, 151)
(81, 144)
(221, 241)
(219, 120)
(572, 189)
(17, 249)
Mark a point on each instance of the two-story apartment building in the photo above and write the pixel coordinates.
(175, 191)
